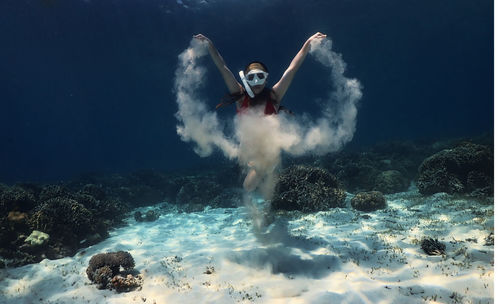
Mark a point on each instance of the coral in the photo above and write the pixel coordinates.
(16, 198)
(109, 209)
(229, 176)
(17, 217)
(104, 270)
(467, 168)
(228, 198)
(102, 276)
(113, 260)
(7, 234)
(140, 195)
(198, 190)
(18, 221)
(357, 171)
(64, 219)
(143, 188)
(307, 189)
(368, 201)
(96, 191)
(74, 214)
(127, 283)
(138, 216)
(489, 240)
(54, 191)
(433, 247)
(391, 181)
(37, 238)
(149, 217)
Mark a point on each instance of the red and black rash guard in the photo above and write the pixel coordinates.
(263, 99)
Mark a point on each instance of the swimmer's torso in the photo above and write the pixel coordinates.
(264, 100)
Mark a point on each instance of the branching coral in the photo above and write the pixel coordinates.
(63, 218)
(308, 189)
(368, 201)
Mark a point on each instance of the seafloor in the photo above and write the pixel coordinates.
(400, 222)
(336, 256)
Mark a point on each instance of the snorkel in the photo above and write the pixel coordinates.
(245, 84)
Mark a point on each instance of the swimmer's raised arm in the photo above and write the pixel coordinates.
(231, 82)
(281, 87)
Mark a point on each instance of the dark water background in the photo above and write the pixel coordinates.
(87, 85)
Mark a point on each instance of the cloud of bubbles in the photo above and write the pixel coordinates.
(259, 140)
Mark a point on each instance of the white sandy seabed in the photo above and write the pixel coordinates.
(337, 256)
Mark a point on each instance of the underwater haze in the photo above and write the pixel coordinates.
(88, 86)
(123, 180)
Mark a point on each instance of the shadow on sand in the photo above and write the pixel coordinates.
(286, 254)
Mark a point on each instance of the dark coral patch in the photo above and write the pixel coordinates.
(368, 201)
(433, 247)
(104, 270)
(307, 189)
(467, 168)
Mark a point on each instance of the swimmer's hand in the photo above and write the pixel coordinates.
(307, 44)
(202, 38)
(318, 35)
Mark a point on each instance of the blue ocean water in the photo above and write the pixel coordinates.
(87, 85)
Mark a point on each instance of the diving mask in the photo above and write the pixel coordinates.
(256, 77)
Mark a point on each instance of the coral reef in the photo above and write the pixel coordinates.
(104, 270)
(64, 219)
(80, 213)
(307, 189)
(138, 189)
(467, 168)
(228, 198)
(198, 190)
(368, 201)
(366, 170)
(16, 198)
(391, 181)
(73, 217)
(356, 171)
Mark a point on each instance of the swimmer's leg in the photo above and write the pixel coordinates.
(255, 212)
(251, 181)
(267, 184)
